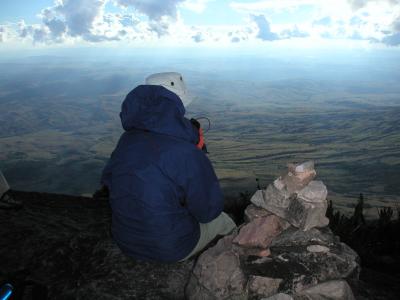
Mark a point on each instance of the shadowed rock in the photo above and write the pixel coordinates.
(331, 290)
(259, 286)
(297, 260)
(279, 296)
(4, 187)
(251, 212)
(217, 274)
(64, 244)
(268, 256)
(260, 232)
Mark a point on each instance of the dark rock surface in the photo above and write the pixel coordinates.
(297, 264)
(64, 244)
(297, 260)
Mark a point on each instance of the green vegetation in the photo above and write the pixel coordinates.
(377, 242)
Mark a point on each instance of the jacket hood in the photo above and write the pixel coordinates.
(156, 109)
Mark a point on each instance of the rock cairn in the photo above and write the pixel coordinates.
(296, 197)
(284, 250)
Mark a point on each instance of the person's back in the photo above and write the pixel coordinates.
(161, 185)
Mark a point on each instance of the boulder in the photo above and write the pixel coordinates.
(296, 198)
(251, 212)
(260, 232)
(217, 274)
(292, 260)
(299, 176)
(268, 257)
(276, 200)
(259, 286)
(258, 199)
(306, 213)
(330, 290)
(279, 296)
(297, 260)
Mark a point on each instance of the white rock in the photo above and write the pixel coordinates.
(306, 166)
(315, 191)
(317, 249)
(279, 184)
(258, 199)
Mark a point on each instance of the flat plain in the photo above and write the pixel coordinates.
(59, 124)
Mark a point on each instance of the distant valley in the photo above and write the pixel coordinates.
(59, 124)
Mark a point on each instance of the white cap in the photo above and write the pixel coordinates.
(172, 81)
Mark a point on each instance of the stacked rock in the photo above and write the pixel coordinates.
(284, 250)
(296, 197)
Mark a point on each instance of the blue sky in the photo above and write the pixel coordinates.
(16, 10)
(222, 23)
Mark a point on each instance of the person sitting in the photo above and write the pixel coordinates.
(165, 198)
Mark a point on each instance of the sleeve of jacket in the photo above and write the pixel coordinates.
(203, 195)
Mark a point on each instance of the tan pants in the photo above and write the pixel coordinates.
(4, 187)
(222, 225)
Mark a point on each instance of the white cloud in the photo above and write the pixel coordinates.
(154, 9)
(160, 27)
(392, 39)
(198, 37)
(75, 20)
(37, 33)
(373, 20)
(197, 6)
(3, 34)
(258, 6)
(235, 39)
(70, 19)
(325, 21)
(79, 15)
(358, 4)
(262, 5)
(264, 28)
(294, 32)
(243, 34)
(396, 24)
(160, 22)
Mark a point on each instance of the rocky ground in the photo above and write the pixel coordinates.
(61, 246)
(64, 244)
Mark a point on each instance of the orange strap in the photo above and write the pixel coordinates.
(200, 145)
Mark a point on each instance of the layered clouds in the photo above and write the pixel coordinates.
(168, 22)
(373, 21)
(89, 20)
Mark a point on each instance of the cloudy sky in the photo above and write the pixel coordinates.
(219, 23)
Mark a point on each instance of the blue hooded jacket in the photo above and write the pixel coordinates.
(161, 185)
